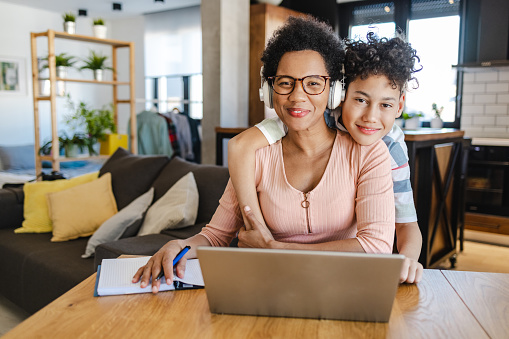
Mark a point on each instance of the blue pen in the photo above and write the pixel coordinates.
(176, 260)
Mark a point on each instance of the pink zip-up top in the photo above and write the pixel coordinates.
(354, 199)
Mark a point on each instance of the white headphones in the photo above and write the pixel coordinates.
(335, 96)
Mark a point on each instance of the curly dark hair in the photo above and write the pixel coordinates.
(393, 58)
(300, 34)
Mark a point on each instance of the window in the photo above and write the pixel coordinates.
(433, 28)
(436, 41)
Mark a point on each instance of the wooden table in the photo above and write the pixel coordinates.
(446, 304)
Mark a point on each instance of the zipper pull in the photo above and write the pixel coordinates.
(305, 203)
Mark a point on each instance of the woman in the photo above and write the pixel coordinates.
(318, 188)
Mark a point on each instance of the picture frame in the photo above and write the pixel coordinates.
(13, 79)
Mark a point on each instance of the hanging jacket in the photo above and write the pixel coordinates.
(152, 134)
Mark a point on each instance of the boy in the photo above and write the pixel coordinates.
(376, 76)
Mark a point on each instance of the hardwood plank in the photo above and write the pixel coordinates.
(487, 297)
(435, 311)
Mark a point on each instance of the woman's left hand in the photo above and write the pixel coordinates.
(258, 236)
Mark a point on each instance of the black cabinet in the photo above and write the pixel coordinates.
(485, 31)
(487, 190)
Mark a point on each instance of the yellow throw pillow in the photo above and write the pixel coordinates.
(35, 208)
(79, 211)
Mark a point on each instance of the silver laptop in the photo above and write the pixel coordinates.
(302, 284)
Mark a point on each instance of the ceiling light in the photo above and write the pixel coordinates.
(117, 6)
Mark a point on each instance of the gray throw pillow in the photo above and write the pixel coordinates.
(114, 227)
(17, 157)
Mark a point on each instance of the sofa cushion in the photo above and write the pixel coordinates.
(115, 226)
(79, 211)
(177, 208)
(17, 157)
(211, 181)
(39, 270)
(11, 207)
(35, 207)
(132, 175)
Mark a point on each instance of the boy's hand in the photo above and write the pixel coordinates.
(256, 234)
(411, 271)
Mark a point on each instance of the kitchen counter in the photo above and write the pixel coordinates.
(425, 134)
(490, 142)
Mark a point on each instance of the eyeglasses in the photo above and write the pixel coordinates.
(311, 84)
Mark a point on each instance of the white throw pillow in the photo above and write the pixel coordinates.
(177, 208)
(114, 227)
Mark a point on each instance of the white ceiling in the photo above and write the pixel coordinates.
(103, 9)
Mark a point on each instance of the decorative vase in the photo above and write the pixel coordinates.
(272, 2)
(70, 27)
(436, 123)
(99, 31)
(98, 74)
(413, 123)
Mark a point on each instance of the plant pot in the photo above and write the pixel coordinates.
(61, 71)
(436, 123)
(98, 74)
(44, 87)
(71, 151)
(70, 27)
(413, 123)
(99, 31)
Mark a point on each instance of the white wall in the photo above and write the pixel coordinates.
(16, 112)
(485, 104)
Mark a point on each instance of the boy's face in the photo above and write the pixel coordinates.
(370, 108)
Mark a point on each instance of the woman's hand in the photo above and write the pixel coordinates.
(411, 271)
(163, 259)
(257, 234)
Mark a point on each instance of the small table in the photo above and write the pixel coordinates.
(445, 304)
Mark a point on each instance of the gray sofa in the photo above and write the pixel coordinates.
(36, 271)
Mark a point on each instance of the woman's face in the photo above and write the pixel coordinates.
(298, 110)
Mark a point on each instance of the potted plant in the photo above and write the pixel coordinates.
(71, 146)
(99, 28)
(69, 22)
(412, 120)
(62, 63)
(436, 122)
(97, 63)
(97, 123)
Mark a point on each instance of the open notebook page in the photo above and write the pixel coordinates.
(116, 276)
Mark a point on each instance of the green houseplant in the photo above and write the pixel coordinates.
(436, 122)
(70, 145)
(96, 122)
(62, 63)
(99, 28)
(412, 120)
(97, 63)
(69, 22)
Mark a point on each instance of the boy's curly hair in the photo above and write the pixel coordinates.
(393, 58)
(300, 34)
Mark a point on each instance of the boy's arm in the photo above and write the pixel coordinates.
(241, 164)
(409, 242)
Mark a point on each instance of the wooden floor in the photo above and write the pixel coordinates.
(480, 257)
(476, 256)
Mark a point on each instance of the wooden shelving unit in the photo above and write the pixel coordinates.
(51, 35)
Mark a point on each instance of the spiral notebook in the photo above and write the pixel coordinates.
(114, 277)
